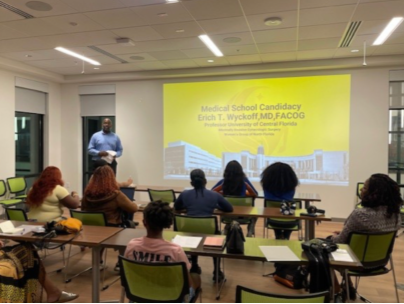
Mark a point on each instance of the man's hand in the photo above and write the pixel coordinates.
(103, 153)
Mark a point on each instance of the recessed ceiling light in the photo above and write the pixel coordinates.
(71, 53)
(38, 6)
(73, 23)
(388, 30)
(96, 68)
(162, 15)
(136, 57)
(232, 39)
(28, 56)
(273, 21)
(211, 60)
(172, 1)
(211, 45)
(179, 31)
(354, 51)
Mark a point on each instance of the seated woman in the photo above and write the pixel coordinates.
(202, 202)
(381, 202)
(102, 194)
(100, 162)
(153, 248)
(47, 197)
(279, 183)
(21, 273)
(234, 182)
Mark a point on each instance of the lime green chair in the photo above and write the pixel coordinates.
(88, 219)
(15, 214)
(245, 201)
(145, 282)
(374, 252)
(297, 227)
(17, 185)
(247, 295)
(193, 224)
(166, 196)
(7, 202)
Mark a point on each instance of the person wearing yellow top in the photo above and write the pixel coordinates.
(47, 197)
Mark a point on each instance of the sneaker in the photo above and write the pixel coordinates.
(221, 276)
(196, 269)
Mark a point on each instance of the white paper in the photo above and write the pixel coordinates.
(187, 241)
(278, 253)
(341, 255)
(30, 228)
(110, 157)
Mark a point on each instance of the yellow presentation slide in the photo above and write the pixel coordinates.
(302, 121)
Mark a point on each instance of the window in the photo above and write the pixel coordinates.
(396, 131)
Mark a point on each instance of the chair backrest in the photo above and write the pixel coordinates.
(277, 204)
(247, 201)
(359, 187)
(129, 192)
(372, 249)
(14, 214)
(247, 295)
(90, 218)
(166, 196)
(3, 189)
(16, 184)
(154, 282)
(206, 224)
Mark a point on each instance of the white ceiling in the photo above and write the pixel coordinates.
(310, 30)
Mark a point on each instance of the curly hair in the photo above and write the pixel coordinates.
(44, 185)
(158, 215)
(233, 178)
(279, 178)
(102, 183)
(381, 190)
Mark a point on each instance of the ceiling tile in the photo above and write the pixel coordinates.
(395, 38)
(93, 5)
(245, 37)
(326, 15)
(83, 22)
(315, 54)
(74, 70)
(9, 33)
(275, 57)
(287, 46)
(149, 14)
(140, 33)
(254, 7)
(190, 29)
(23, 44)
(322, 31)
(372, 27)
(56, 63)
(6, 15)
(218, 61)
(198, 53)
(170, 44)
(225, 25)
(168, 55)
(315, 44)
(239, 50)
(180, 64)
(244, 59)
(34, 27)
(80, 39)
(389, 49)
(378, 10)
(118, 49)
(346, 52)
(142, 2)
(289, 19)
(58, 8)
(324, 3)
(276, 35)
(117, 18)
(213, 9)
(359, 40)
(146, 56)
(120, 67)
(152, 65)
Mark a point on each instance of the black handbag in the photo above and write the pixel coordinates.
(235, 239)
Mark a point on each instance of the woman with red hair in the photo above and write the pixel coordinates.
(47, 197)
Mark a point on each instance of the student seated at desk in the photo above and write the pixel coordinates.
(21, 273)
(381, 202)
(201, 202)
(47, 197)
(100, 162)
(153, 248)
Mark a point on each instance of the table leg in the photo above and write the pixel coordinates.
(96, 274)
(309, 230)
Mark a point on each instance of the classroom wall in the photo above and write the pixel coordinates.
(139, 123)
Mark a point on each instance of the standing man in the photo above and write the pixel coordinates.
(104, 141)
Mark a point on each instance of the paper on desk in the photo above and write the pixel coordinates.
(278, 253)
(187, 241)
(341, 255)
(110, 157)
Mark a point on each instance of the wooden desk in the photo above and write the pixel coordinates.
(90, 236)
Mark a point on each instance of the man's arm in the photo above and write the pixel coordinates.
(91, 147)
(119, 148)
(224, 205)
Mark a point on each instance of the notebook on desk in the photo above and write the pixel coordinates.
(7, 227)
(215, 243)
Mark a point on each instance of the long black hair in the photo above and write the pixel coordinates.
(198, 180)
(233, 178)
(279, 178)
(381, 190)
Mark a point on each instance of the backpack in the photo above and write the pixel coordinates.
(235, 239)
(292, 276)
